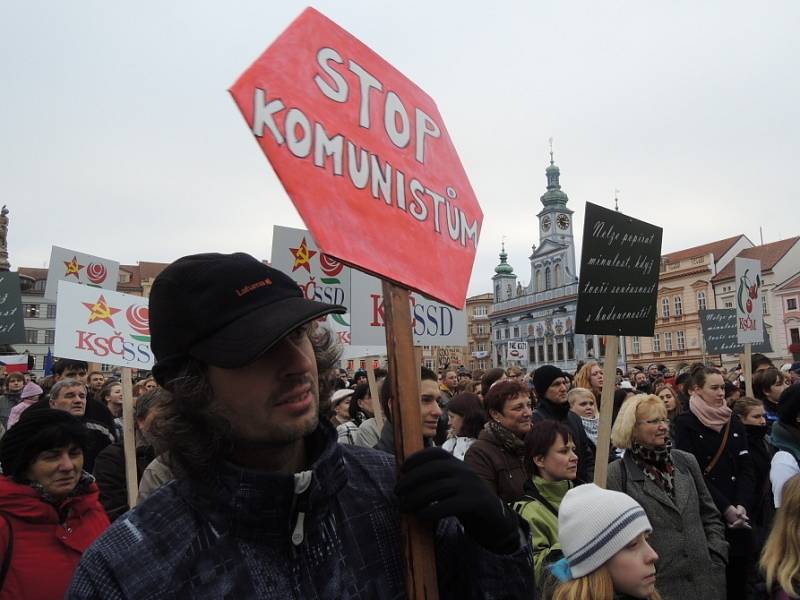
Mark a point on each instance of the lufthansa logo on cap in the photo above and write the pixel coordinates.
(253, 286)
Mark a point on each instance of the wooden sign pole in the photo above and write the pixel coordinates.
(128, 437)
(374, 394)
(404, 374)
(747, 368)
(606, 411)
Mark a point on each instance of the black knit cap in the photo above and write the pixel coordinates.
(37, 430)
(544, 376)
(225, 310)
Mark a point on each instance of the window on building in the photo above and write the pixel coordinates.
(570, 349)
(765, 303)
(665, 308)
(31, 336)
(668, 341)
(559, 351)
(547, 281)
(49, 336)
(678, 306)
(51, 311)
(657, 343)
(602, 345)
(548, 348)
(30, 311)
(481, 347)
(505, 333)
(729, 304)
(794, 335)
(590, 346)
(479, 311)
(791, 304)
(701, 300)
(558, 275)
(635, 344)
(681, 341)
(429, 363)
(516, 331)
(362, 364)
(497, 334)
(538, 280)
(540, 350)
(481, 329)
(39, 285)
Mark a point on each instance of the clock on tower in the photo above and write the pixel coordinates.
(563, 221)
(546, 222)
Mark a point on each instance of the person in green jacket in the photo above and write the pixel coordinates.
(551, 458)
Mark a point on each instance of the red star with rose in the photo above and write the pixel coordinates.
(101, 311)
(302, 257)
(73, 268)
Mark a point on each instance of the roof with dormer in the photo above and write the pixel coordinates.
(768, 254)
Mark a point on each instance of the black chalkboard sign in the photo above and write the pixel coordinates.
(719, 333)
(12, 325)
(619, 274)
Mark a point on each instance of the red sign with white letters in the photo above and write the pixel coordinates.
(364, 155)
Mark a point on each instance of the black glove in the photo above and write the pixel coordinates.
(433, 485)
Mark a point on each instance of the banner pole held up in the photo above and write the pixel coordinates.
(421, 583)
(128, 438)
(606, 411)
(374, 394)
(747, 368)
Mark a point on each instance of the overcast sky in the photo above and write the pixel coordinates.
(118, 137)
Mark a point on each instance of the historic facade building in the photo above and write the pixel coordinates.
(534, 325)
(780, 264)
(479, 335)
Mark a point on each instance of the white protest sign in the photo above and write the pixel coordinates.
(102, 326)
(434, 323)
(78, 267)
(518, 351)
(749, 304)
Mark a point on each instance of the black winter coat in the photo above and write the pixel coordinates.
(109, 472)
(732, 480)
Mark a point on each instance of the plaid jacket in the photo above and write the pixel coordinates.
(246, 534)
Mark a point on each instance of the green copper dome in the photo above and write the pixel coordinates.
(504, 268)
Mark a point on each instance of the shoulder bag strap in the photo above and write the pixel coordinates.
(725, 435)
(9, 551)
(538, 496)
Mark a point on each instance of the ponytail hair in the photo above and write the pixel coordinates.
(697, 377)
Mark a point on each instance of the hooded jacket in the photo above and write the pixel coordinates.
(48, 542)
(332, 532)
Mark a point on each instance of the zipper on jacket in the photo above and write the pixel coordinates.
(302, 481)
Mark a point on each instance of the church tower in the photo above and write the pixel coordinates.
(504, 280)
(553, 262)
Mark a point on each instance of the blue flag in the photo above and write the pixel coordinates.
(48, 363)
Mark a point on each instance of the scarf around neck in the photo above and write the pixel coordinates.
(786, 438)
(590, 427)
(713, 417)
(505, 437)
(656, 464)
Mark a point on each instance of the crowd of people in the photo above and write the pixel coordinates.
(265, 471)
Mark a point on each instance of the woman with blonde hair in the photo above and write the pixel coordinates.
(688, 534)
(590, 377)
(780, 560)
(603, 535)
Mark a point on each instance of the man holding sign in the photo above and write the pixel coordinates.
(266, 503)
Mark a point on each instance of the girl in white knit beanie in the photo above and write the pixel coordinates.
(603, 535)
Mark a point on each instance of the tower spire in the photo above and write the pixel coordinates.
(616, 200)
(552, 162)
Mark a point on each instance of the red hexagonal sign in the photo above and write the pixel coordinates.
(364, 155)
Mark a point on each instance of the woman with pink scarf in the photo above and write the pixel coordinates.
(718, 440)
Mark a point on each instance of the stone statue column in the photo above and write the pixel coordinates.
(4, 264)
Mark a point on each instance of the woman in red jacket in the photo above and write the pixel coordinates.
(49, 507)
